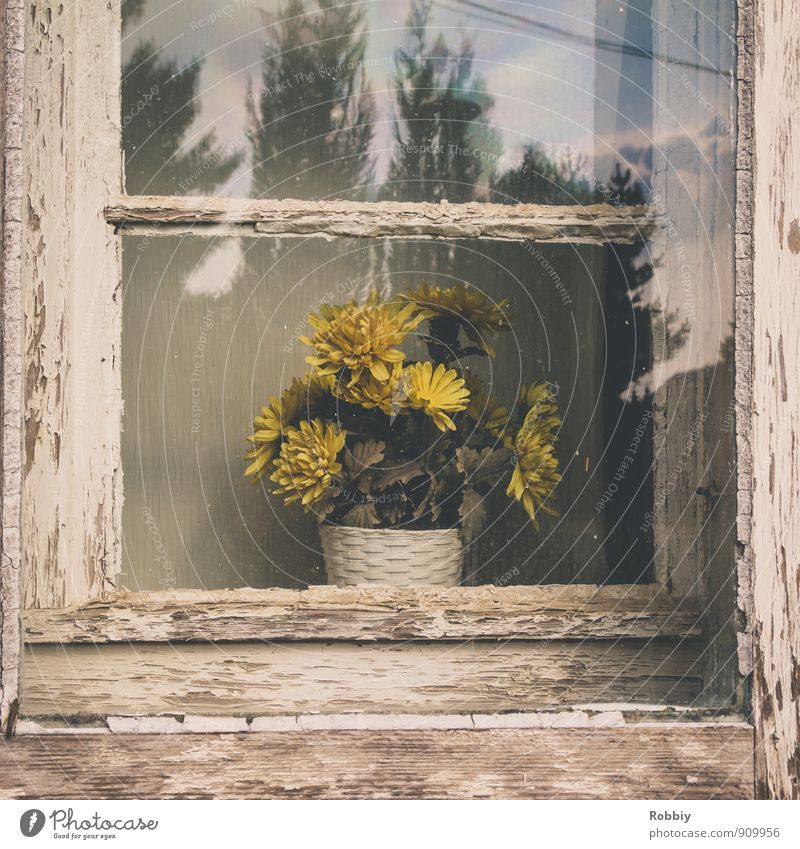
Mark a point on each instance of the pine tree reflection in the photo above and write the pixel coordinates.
(541, 177)
(159, 105)
(441, 119)
(311, 122)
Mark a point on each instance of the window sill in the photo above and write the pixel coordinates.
(363, 650)
(550, 612)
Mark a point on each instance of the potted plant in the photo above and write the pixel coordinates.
(396, 456)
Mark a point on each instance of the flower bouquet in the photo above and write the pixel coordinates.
(396, 456)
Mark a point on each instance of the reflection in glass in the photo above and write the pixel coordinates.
(164, 155)
(210, 331)
(386, 99)
(436, 100)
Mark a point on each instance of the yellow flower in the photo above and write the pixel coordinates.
(277, 417)
(487, 410)
(478, 315)
(371, 393)
(437, 392)
(360, 338)
(540, 396)
(536, 471)
(307, 462)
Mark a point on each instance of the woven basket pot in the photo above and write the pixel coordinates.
(391, 557)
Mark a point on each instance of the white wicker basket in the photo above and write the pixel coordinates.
(395, 558)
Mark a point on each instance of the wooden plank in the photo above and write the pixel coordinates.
(365, 613)
(250, 679)
(11, 181)
(73, 477)
(596, 223)
(776, 400)
(673, 762)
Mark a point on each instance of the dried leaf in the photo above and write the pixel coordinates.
(398, 474)
(365, 481)
(473, 514)
(437, 492)
(363, 455)
(425, 505)
(486, 466)
(467, 459)
(327, 505)
(395, 512)
(362, 516)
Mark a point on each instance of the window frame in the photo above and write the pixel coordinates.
(676, 753)
(73, 549)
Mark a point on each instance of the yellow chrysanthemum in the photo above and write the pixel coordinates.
(437, 392)
(307, 462)
(536, 471)
(282, 412)
(360, 338)
(478, 315)
(487, 411)
(371, 393)
(540, 396)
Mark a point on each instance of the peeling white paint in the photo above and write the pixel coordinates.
(11, 448)
(776, 400)
(179, 724)
(72, 406)
(574, 224)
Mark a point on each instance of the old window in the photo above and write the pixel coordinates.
(232, 168)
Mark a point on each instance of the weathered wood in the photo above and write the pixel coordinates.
(744, 332)
(693, 298)
(583, 716)
(365, 613)
(667, 762)
(776, 400)
(11, 178)
(597, 223)
(272, 679)
(72, 479)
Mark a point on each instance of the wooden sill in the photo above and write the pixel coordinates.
(552, 612)
(261, 678)
(677, 761)
(362, 650)
(594, 224)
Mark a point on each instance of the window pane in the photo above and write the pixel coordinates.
(415, 100)
(211, 330)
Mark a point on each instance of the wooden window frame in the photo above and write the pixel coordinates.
(74, 389)
(105, 619)
(95, 191)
